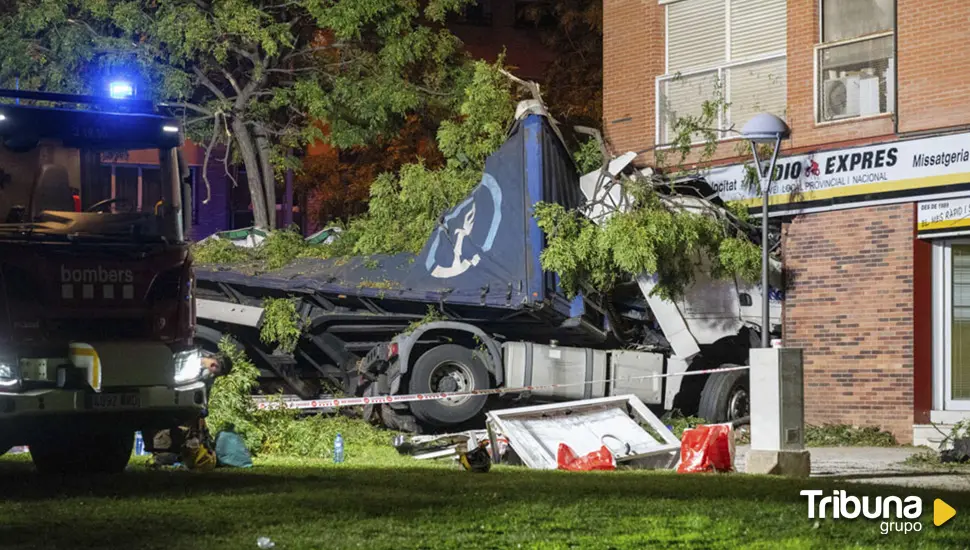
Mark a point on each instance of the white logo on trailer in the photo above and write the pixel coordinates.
(460, 265)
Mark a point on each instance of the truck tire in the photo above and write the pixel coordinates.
(209, 338)
(725, 396)
(448, 368)
(83, 453)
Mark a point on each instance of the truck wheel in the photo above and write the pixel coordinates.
(725, 397)
(102, 452)
(448, 368)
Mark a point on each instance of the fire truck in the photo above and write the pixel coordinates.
(96, 288)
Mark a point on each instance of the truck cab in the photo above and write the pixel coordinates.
(97, 311)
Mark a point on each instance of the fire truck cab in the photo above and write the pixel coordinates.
(97, 313)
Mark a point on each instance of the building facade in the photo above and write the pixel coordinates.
(872, 189)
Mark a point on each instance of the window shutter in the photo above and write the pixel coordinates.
(757, 88)
(758, 27)
(682, 97)
(696, 34)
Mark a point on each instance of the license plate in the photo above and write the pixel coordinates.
(115, 401)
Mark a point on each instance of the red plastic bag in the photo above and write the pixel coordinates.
(707, 449)
(597, 460)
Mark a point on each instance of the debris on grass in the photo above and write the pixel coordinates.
(845, 435)
(612, 425)
(929, 458)
(677, 423)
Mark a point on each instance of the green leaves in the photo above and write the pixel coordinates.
(231, 403)
(288, 68)
(655, 237)
(281, 325)
(588, 157)
(404, 209)
(483, 117)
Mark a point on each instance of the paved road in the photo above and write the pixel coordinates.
(876, 465)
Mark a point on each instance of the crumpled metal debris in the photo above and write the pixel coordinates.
(623, 424)
(450, 446)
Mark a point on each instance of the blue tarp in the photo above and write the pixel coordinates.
(485, 250)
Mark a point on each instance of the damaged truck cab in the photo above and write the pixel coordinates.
(96, 295)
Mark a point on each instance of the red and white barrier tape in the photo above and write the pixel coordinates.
(352, 401)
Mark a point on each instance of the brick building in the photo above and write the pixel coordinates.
(873, 188)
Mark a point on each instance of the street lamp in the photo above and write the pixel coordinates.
(765, 128)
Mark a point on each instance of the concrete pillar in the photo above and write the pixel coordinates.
(777, 413)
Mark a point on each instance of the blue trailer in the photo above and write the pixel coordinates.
(498, 313)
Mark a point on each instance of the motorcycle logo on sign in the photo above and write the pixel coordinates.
(465, 236)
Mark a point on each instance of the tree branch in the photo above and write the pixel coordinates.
(293, 71)
(205, 161)
(204, 80)
(232, 80)
(189, 106)
(251, 86)
(311, 50)
(253, 58)
(196, 120)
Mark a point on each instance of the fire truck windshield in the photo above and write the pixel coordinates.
(71, 193)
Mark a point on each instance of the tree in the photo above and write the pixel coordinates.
(337, 183)
(659, 226)
(259, 76)
(405, 205)
(574, 80)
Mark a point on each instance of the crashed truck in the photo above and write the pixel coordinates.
(501, 320)
(97, 317)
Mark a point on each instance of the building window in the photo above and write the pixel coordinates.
(139, 186)
(855, 59)
(728, 49)
(534, 14)
(477, 13)
(951, 325)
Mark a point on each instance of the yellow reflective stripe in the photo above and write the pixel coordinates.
(95, 364)
(859, 189)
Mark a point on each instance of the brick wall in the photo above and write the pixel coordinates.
(524, 49)
(213, 216)
(849, 305)
(934, 64)
(803, 35)
(633, 56)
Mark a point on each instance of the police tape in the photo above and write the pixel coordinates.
(269, 403)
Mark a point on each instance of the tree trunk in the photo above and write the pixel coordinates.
(253, 174)
(269, 176)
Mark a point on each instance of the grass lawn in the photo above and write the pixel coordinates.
(381, 500)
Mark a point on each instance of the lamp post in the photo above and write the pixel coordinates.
(765, 128)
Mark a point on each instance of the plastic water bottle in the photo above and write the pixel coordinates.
(139, 444)
(338, 449)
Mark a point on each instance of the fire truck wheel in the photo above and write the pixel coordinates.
(725, 397)
(448, 368)
(83, 453)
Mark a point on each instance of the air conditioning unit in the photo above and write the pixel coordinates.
(850, 96)
(840, 97)
(869, 96)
